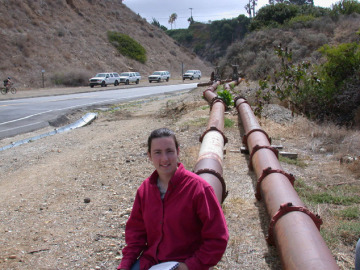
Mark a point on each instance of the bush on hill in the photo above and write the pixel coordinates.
(345, 7)
(327, 91)
(282, 13)
(127, 46)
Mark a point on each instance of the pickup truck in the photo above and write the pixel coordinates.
(104, 79)
(128, 77)
(159, 76)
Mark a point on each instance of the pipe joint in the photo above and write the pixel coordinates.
(206, 91)
(246, 136)
(287, 208)
(237, 98)
(265, 173)
(213, 128)
(217, 99)
(258, 147)
(218, 176)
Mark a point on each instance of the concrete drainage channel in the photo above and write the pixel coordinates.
(83, 121)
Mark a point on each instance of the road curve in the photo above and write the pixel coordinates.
(24, 115)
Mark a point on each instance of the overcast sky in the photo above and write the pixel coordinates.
(201, 10)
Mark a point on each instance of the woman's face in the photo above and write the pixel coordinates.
(164, 156)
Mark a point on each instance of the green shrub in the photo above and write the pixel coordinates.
(346, 7)
(342, 62)
(226, 96)
(271, 15)
(329, 91)
(181, 35)
(301, 20)
(228, 30)
(127, 46)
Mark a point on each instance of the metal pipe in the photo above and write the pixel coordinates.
(209, 163)
(293, 228)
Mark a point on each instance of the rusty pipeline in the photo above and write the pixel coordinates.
(209, 163)
(293, 229)
(210, 83)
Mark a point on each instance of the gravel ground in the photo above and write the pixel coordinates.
(66, 198)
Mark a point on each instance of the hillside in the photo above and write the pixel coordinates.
(228, 42)
(67, 38)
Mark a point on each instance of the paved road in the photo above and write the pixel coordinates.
(19, 116)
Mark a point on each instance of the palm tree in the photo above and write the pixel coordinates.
(172, 19)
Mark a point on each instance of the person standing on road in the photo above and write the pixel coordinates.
(176, 215)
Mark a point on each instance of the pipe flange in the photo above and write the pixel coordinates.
(287, 208)
(219, 176)
(236, 99)
(216, 99)
(265, 173)
(213, 129)
(258, 147)
(206, 91)
(246, 136)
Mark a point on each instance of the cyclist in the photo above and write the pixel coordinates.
(7, 84)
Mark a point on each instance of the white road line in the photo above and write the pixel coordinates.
(21, 126)
(80, 105)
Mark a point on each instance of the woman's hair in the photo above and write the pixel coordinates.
(160, 133)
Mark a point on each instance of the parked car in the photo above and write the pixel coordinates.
(104, 79)
(192, 74)
(138, 75)
(128, 77)
(167, 74)
(159, 76)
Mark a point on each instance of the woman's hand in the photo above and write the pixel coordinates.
(182, 266)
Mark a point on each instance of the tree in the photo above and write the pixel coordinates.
(272, 15)
(250, 8)
(294, 2)
(191, 20)
(156, 23)
(172, 19)
(346, 7)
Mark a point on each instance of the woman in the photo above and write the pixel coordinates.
(176, 215)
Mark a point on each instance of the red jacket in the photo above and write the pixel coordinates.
(187, 226)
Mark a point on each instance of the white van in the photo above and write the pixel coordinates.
(192, 74)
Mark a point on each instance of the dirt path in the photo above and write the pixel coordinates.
(65, 198)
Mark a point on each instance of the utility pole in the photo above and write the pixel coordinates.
(191, 12)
